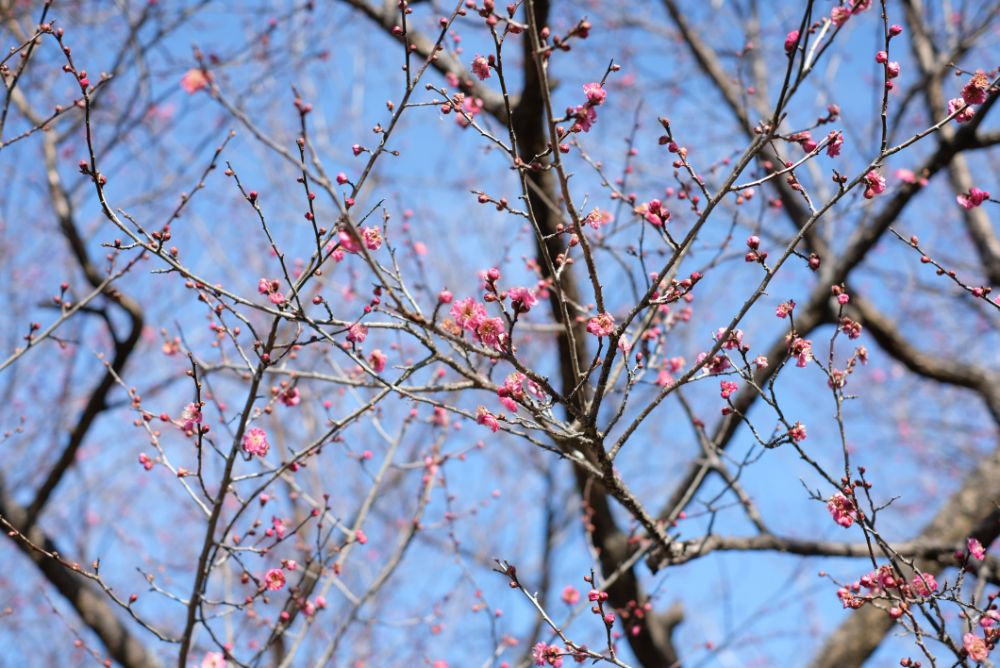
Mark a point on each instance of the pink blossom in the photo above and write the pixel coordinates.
(976, 549)
(975, 646)
(860, 6)
(974, 92)
(836, 143)
(791, 39)
(801, 349)
(839, 15)
(481, 67)
(547, 655)
(377, 360)
(570, 595)
(728, 388)
(595, 93)
(797, 432)
(973, 198)
(491, 332)
(784, 308)
(290, 397)
(372, 238)
(760, 362)
(471, 106)
(963, 116)
(255, 442)
(213, 660)
(190, 417)
(875, 184)
(274, 579)
(195, 80)
(892, 70)
(522, 299)
(734, 341)
(487, 419)
(601, 325)
(468, 313)
(924, 584)
(360, 536)
(357, 333)
(585, 116)
(842, 509)
(445, 297)
(597, 218)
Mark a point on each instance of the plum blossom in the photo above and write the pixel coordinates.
(836, 143)
(487, 419)
(255, 442)
(213, 660)
(472, 106)
(924, 584)
(975, 646)
(875, 184)
(290, 397)
(570, 595)
(481, 67)
(274, 579)
(801, 349)
(842, 510)
(547, 655)
(973, 198)
(377, 360)
(597, 218)
(839, 15)
(522, 299)
(976, 549)
(468, 313)
(601, 325)
(190, 417)
(784, 308)
(595, 93)
(195, 80)
(791, 39)
(271, 288)
(963, 116)
(798, 432)
(491, 332)
(357, 333)
(728, 388)
(974, 92)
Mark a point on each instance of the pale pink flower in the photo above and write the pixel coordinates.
(842, 509)
(836, 143)
(875, 184)
(377, 360)
(839, 15)
(522, 299)
(372, 238)
(190, 417)
(784, 308)
(468, 313)
(601, 325)
(925, 584)
(976, 549)
(797, 432)
(734, 340)
(801, 349)
(975, 646)
(274, 579)
(760, 362)
(255, 442)
(481, 67)
(585, 116)
(357, 333)
(195, 80)
(595, 93)
(963, 116)
(597, 218)
(973, 198)
(491, 332)
(213, 660)
(570, 595)
(487, 419)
